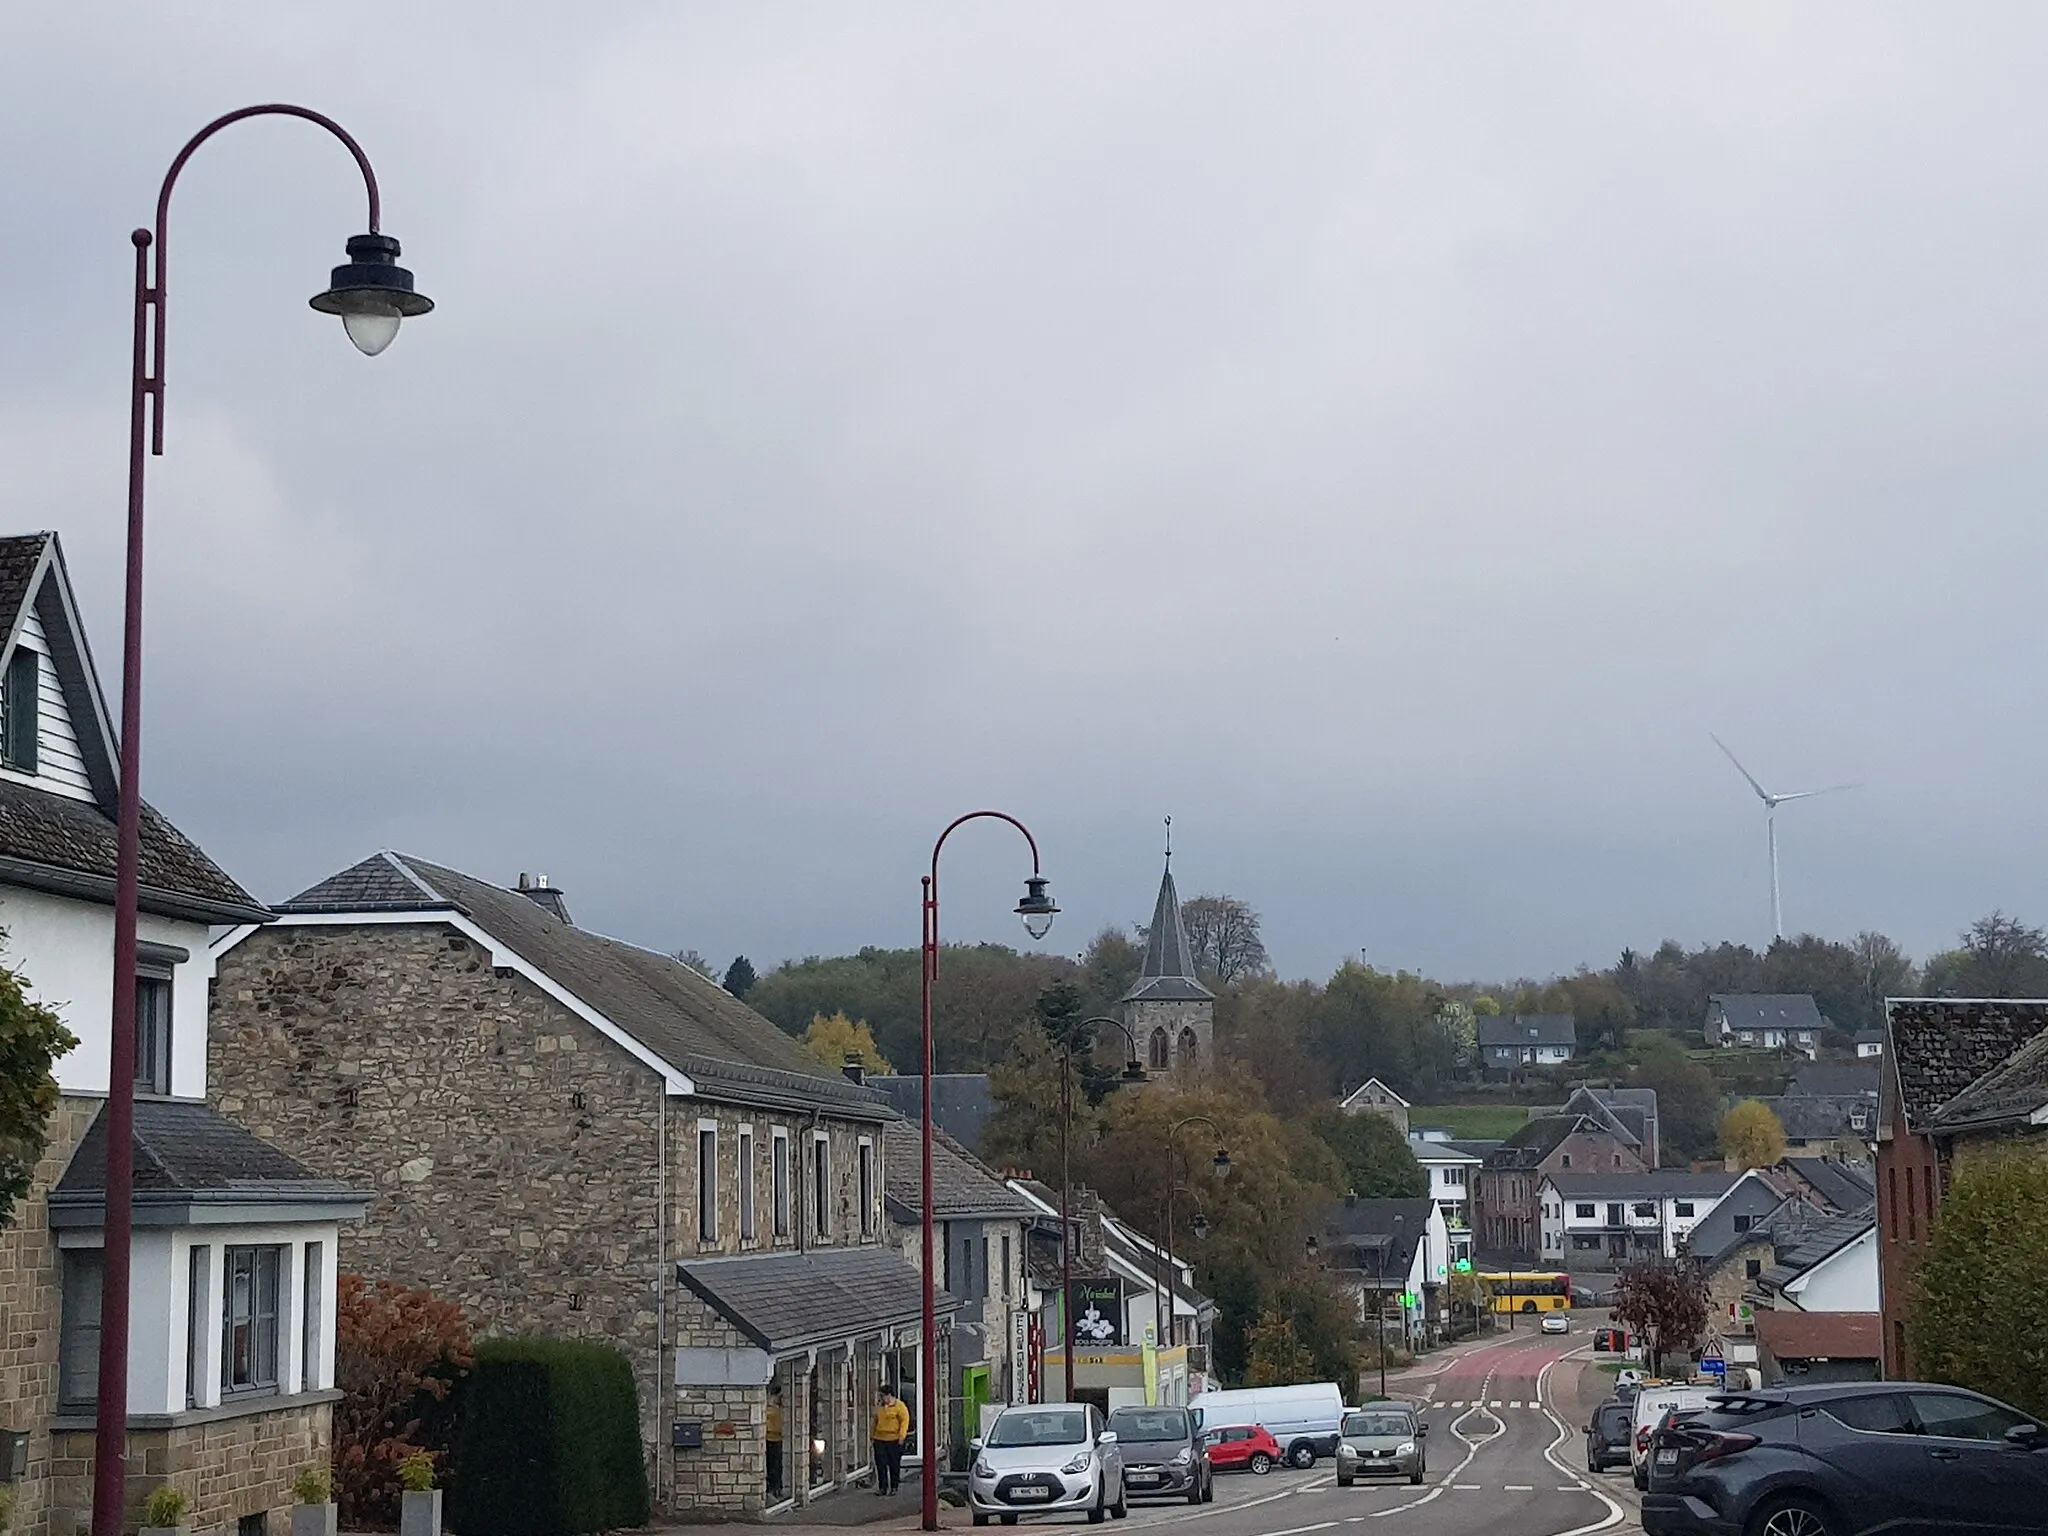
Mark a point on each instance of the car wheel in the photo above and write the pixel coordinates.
(1302, 1456)
(1122, 1506)
(1195, 1491)
(1791, 1515)
(1007, 1519)
(1099, 1511)
(1343, 1481)
(1209, 1489)
(980, 1518)
(1260, 1463)
(1415, 1477)
(1640, 1478)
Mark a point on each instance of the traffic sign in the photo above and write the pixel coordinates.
(1714, 1368)
(1711, 1352)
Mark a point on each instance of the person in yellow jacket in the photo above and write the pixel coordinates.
(775, 1440)
(890, 1430)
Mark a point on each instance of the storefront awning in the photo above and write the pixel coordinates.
(790, 1301)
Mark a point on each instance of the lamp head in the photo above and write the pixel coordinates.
(1314, 1248)
(1199, 1227)
(1134, 1071)
(372, 293)
(1221, 1163)
(1036, 908)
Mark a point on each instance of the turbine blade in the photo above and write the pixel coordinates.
(1808, 794)
(1761, 793)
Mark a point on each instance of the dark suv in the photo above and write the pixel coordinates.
(1903, 1458)
(1607, 1435)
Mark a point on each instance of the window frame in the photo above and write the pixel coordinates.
(260, 1258)
(82, 1276)
(749, 1229)
(821, 1185)
(707, 1182)
(13, 727)
(780, 1182)
(864, 1155)
(153, 1029)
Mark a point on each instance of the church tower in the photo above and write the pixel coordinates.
(1170, 1012)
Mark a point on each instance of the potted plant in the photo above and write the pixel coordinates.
(313, 1515)
(6, 1508)
(163, 1512)
(419, 1506)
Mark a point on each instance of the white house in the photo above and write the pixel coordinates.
(1451, 1169)
(1507, 1043)
(1392, 1255)
(1600, 1221)
(1770, 1021)
(1830, 1268)
(231, 1331)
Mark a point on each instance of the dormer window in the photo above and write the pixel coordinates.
(155, 964)
(19, 723)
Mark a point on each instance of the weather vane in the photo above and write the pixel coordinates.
(1169, 839)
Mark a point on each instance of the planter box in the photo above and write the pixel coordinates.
(419, 1514)
(314, 1519)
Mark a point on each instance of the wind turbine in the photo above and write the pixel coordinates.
(1771, 804)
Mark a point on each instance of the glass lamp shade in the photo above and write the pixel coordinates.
(1314, 1247)
(1036, 908)
(1199, 1227)
(1221, 1163)
(371, 293)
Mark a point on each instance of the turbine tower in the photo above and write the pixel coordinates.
(1771, 804)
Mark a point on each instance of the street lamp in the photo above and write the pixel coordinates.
(1133, 1072)
(1379, 1295)
(1037, 910)
(1220, 1166)
(371, 293)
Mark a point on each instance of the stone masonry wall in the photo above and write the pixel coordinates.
(1174, 1016)
(228, 1467)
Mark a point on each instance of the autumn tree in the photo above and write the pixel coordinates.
(1223, 932)
(397, 1352)
(1064, 1063)
(32, 1038)
(1751, 1136)
(739, 977)
(833, 1040)
(1666, 1303)
(1275, 1356)
(1974, 1315)
(2000, 956)
(1376, 1157)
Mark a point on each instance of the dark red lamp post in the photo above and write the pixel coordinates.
(1037, 910)
(1218, 1165)
(372, 294)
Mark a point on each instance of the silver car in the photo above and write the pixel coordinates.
(1041, 1458)
(1381, 1440)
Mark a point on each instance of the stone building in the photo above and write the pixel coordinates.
(1373, 1097)
(1507, 1209)
(571, 1136)
(231, 1294)
(1168, 1011)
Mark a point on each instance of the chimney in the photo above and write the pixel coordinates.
(856, 1073)
(545, 896)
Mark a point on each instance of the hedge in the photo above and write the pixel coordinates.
(549, 1443)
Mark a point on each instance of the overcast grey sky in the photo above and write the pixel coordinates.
(1388, 438)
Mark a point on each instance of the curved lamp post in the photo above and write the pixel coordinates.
(1037, 910)
(372, 294)
(1220, 1166)
(1134, 1072)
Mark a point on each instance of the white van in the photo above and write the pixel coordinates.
(1308, 1420)
(1650, 1405)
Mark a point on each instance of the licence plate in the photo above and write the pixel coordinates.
(1034, 1491)
(1143, 1479)
(1668, 1458)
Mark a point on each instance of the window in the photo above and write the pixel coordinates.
(1189, 1050)
(199, 1315)
(1891, 1180)
(1956, 1417)
(310, 1290)
(1742, 1223)
(1882, 1413)
(707, 1183)
(1566, 1160)
(1927, 1182)
(18, 710)
(249, 1316)
(1156, 1051)
(1006, 1266)
(821, 1187)
(1751, 1268)
(153, 1034)
(1583, 1210)
(746, 1183)
(1644, 1210)
(1681, 1208)
(1614, 1213)
(78, 1337)
(778, 1194)
(867, 1189)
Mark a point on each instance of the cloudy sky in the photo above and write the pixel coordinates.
(1386, 438)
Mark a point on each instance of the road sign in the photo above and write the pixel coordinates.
(1711, 1352)
(1714, 1368)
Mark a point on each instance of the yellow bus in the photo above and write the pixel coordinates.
(1528, 1290)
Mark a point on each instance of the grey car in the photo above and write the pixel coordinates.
(1046, 1458)
(1164, 1455)
(1381, 1440)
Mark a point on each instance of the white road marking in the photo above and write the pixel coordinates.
(1571, 1487)
(1516, 1405)
(1466, 1487)
(1614, 1515)
(1517, 1488)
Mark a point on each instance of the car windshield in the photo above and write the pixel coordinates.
(1150, 1423)
(1067, 1426)
(1376, 1424)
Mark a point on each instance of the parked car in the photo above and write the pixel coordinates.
(1305, 1419)
(1381, 1439)
(1556, 1322)
(1163, 1454)
(1046, 1456)
(1609, 1434)
(1244, 1447)
(1839, 1460)
(1651, 1404)
(1629, 1376)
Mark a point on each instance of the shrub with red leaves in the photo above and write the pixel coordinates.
(397, 1352)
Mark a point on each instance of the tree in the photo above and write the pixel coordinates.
(2000, 957)
(739, 977)
(397, 1351)
(1882, 970)
(1109, 968)
(1465, 1297)
(1688, 1103)
(1224, 934)
(1974, 1314)
(32, 1038)
(1666, 1304)
(697, 963)
(1275, 1356)
(833, 1039)
(1751, 1136)
(1375, 1154)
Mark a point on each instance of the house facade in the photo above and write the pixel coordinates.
(570, 1136)
(1767, 1021)
(1611, 1221)
(1392, 1257)
(1506, 1204)
(1373, 1097)
(1517, 1042)
(1452, 1170)
(231, 1333)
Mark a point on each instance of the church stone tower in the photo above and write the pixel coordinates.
(1170, 1012)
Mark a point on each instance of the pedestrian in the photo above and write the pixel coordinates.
(891, 1429)
(775, 1440)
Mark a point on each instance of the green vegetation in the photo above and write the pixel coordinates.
(1471, 1122)
(31, 1039)
(165, 1508)
(1375, 1155)
(550, 1442)
(1975, 1317)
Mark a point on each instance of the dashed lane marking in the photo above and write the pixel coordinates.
(1517, 1488)
(1465, 1487)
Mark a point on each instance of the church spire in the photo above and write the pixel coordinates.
(1169, 969)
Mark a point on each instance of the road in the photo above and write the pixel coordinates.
(1501, 1463)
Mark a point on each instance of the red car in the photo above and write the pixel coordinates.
(1247, 1447)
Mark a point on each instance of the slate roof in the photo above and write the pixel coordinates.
(1526, 1029)
(1449, 1153)
(785, 1301)
(1361, 1234)
(1870, 1037)
(686, 1019)
(1609, 1117)
(1815, 1117)
(1837, 1079)
(1820, 1335)
(961, 1102)
(1814, 1244)
(1532, 1143)
(184, 1151)
(1844, 1186)
(1676, 1184)
(1168, 974)
(1769, 1010)
(1940, 1046)
(962, 1186)
(74, 843)
(2013, 1091)
(19, 555)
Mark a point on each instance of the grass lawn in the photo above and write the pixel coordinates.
(1471, 1122)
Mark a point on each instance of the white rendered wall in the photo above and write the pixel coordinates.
(1843, 1282)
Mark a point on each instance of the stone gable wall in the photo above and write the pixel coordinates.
(1173, 1016)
